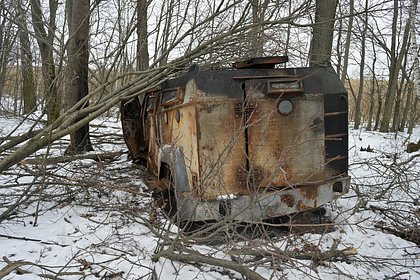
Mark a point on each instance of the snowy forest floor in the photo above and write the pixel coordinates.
(90, 219)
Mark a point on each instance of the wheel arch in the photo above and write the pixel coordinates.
(172, 158)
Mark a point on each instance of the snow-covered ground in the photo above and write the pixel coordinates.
(90, 220)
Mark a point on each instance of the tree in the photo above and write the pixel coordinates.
(7, 39)
(257, 37)
(78, 60)
(396, 59)
(372, 93)
(45, 42)
(358, 111)
(28, 83)
(347, 46)
(142, 42)
(323, 31)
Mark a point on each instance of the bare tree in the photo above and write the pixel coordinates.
(408, 89)
(259, 8)
(358, 111)
(78, 60)
(348, 41)
(7, 39)
(28, 84)
(142, 41)
(396, 58)
(44, 33)
(323, 30)
(372, 94)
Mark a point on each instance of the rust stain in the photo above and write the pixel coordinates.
(310, 193)
(288, 199)
(250, 181)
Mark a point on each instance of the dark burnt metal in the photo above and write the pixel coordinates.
(261, 62)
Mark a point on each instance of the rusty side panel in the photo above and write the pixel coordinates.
(221, 148)
(287, 150)
(178, 128)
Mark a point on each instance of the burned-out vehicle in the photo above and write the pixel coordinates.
(250, 143)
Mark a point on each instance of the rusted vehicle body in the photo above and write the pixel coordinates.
(249, 143)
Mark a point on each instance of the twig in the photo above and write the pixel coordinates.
(195, 257)
(34, 240)
(61, 159)
(12, 266)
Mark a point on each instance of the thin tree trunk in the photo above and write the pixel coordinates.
(7, 39)
(372, 97)
(415, 51)
(408, 98)
(396, 62)
(45, 43)
(358, 110)
(379, 110)
(28, 83)
(413, 116)
(347, 46)
(399, 98)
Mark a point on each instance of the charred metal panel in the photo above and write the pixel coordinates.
(221, 149)
(132, 127)
(261, 62)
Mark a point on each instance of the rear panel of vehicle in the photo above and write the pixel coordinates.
(245, 145)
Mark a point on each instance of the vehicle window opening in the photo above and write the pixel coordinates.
(132, 109)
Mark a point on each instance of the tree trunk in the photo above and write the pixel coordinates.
(142, 42)
(45, 43)
(396, 62)
(396, 120)
(348, 40)
(413, 116)
(408, 99)
(378, 112)
(372, 96)
(7, 39)
(415, 51)
(77, 74)
(358, 110)
(132, 121)
(323, 31)
(28, 83)
(257, 31)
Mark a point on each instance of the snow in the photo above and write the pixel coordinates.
(94, 224)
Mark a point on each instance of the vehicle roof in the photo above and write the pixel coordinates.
(228, 82)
